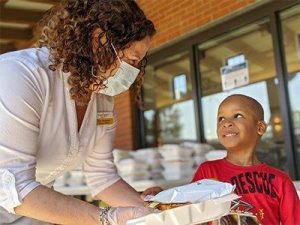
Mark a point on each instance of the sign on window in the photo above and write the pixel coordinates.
(235, 73)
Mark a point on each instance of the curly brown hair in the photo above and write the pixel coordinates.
(67, 31)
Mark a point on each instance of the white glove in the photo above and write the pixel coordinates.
(119, 216)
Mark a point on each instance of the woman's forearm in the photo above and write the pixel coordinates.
(48, 205)
(120, 194)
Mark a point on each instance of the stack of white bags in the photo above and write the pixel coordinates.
(143, 164)
(177, 162)
(151, 157)
(169, 161)
(132, 170)
(200, 150)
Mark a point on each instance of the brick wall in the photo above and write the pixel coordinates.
(125, 134)
(172, 18)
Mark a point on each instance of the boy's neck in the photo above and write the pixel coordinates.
(242, 159)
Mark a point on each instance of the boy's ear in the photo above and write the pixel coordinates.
(261, 127)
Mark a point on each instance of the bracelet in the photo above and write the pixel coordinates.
(103, 220)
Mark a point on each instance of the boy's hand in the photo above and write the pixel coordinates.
(151, 191)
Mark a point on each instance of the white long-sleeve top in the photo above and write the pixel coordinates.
(39, 138)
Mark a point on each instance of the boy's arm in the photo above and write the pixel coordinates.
(289, 204)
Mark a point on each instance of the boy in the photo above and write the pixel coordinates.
(269, 190)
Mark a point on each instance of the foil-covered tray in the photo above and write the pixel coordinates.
(190, 214)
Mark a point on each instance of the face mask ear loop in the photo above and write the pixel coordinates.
(93, 72)
(115, 52)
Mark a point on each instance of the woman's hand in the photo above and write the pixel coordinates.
(120, 215)
(151, 191)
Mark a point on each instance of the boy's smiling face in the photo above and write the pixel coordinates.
(239, 125)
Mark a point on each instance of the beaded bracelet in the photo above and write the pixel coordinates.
(103, 220)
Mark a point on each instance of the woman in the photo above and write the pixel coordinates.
(57, 111)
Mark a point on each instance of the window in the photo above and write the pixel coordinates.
(167, 92)
(248, 47)
(240, 48)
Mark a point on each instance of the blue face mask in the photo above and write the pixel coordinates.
(122, 80)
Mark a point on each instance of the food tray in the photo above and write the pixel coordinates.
(189, 214)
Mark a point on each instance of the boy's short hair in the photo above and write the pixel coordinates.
(255, 105)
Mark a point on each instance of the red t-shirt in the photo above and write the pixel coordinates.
(269, 190)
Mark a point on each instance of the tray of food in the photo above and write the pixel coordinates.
(194, 203)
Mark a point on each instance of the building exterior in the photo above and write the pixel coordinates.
(206, 50)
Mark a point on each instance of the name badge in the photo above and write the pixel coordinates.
(105, 118)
